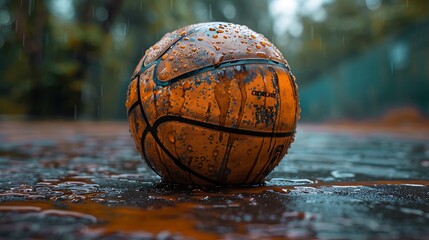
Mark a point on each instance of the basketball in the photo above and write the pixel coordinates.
(213, 104)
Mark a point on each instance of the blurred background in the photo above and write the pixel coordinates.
(354, 60)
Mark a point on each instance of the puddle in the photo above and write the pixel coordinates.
(211, 213)
(90, 183)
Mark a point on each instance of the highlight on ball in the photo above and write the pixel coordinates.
(213, 104)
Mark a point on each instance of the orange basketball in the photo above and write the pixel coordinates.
(213, 103)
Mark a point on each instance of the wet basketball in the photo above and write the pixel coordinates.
(213, 104)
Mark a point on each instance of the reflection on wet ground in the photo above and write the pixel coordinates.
(86, 180)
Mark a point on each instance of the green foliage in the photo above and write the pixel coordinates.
(74, 61)
(349, 29)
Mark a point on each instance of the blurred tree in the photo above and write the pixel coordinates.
(64, 58)
(73, 59)
(349, 28)
(56, 54)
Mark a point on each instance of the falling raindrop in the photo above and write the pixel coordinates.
(30, 7)
(101, 90)
(344, 41)
(312, 32)
(210, 11)
(171, 5)
(125, 29)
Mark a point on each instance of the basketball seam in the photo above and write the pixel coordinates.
(172, 118)
(153, 131)
(177, 161)
(131, 108)
(254, 162)
(266, 165)
(146, 128)
(143, 67)
(213, 67)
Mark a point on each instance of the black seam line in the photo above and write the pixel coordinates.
(153, 130)
(131, 108)
(164, 119)
(178, 163)
(146, 129)
(143, 67)
(212, 67)
(141, 105)
(142, 140)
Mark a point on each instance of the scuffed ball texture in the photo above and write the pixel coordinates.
(213, 104)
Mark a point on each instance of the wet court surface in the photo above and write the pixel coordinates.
(87, 181)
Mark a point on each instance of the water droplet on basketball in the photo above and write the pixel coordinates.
(171, 137)
(261, 54)
(164, 74)
(215, 152)
(218, 60)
